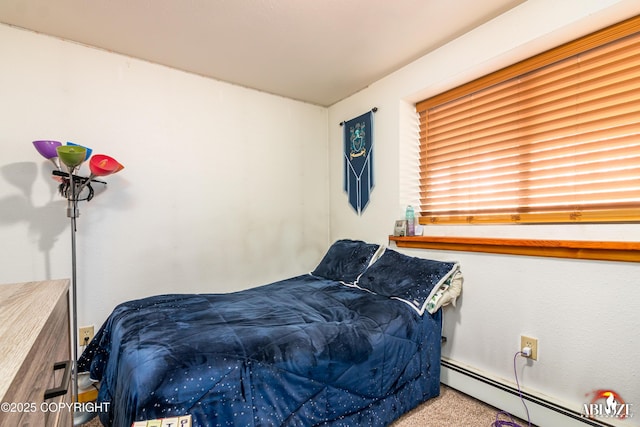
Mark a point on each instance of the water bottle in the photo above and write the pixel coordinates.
(411, 221)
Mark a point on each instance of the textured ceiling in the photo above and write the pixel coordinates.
(315, 51)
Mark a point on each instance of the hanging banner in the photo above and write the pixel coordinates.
(358, 160)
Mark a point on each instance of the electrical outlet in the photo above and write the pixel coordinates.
(85, 335)
(532, 343)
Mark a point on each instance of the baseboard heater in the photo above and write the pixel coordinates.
(492, 391)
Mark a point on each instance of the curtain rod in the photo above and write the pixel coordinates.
(374, 109)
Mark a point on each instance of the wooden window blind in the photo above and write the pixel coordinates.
(555, 138)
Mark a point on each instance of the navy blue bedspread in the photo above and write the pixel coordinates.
(300, 352)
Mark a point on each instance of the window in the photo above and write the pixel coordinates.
(555, 138)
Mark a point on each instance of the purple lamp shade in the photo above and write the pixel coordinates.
(47, 149)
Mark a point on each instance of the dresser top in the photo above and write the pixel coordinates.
(24, 310)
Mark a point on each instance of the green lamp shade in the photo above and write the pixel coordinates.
(102, 165)
(71, 155)
(89, 150)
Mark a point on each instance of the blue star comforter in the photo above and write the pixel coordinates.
(355, 342)
(304, 351)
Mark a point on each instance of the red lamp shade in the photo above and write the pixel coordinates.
(102, 165)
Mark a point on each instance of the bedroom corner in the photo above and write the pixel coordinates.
(226, 222)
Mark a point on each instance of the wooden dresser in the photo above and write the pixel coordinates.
(34, 336)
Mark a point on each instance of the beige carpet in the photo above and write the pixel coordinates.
(450, 409)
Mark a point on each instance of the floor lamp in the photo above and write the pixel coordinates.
(72, 187)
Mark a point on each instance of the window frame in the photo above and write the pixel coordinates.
(567, 50)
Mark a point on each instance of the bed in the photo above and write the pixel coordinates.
(354, 342)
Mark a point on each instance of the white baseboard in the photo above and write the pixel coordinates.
(503, 395)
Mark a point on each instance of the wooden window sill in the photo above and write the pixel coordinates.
(577, 249)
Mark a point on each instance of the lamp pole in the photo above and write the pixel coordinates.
(72, 212)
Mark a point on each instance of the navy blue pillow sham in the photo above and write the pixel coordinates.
(345, 260)
(406, 278)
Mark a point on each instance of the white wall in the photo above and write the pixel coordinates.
(585, 314)
(223, 187)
